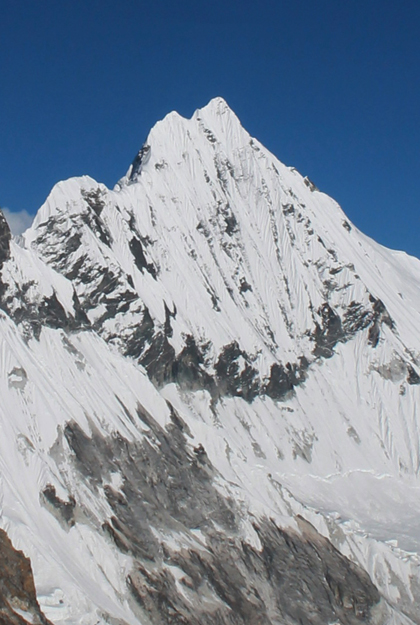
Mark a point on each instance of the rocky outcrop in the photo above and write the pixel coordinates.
(215, 575)
(5, 237)
(18, 602)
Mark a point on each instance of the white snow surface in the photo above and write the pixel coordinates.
(244, 249)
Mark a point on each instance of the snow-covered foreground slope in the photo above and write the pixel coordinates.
(209, 383)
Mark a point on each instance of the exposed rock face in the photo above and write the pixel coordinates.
(168, 489)
(5, 237)
(18, 602)
(293, 579)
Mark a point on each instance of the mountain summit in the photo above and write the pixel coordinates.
(210, 382)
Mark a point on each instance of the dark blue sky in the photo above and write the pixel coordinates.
(330, 87)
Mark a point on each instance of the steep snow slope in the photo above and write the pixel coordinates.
(210, 382)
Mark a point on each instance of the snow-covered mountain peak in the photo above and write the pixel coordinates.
(214, 222)
(216, 106)
(175, 136)
(62, 200)
(229, 356)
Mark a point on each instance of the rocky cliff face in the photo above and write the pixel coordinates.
(210, 380)
(18, 602)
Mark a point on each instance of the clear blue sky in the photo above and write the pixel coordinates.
(332, 88)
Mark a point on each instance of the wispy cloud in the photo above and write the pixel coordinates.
(18, 221)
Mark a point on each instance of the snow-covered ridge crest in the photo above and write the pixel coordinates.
(174, 129)
(214, 321)
(60, 200)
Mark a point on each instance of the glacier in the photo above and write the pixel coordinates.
(210, 381)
